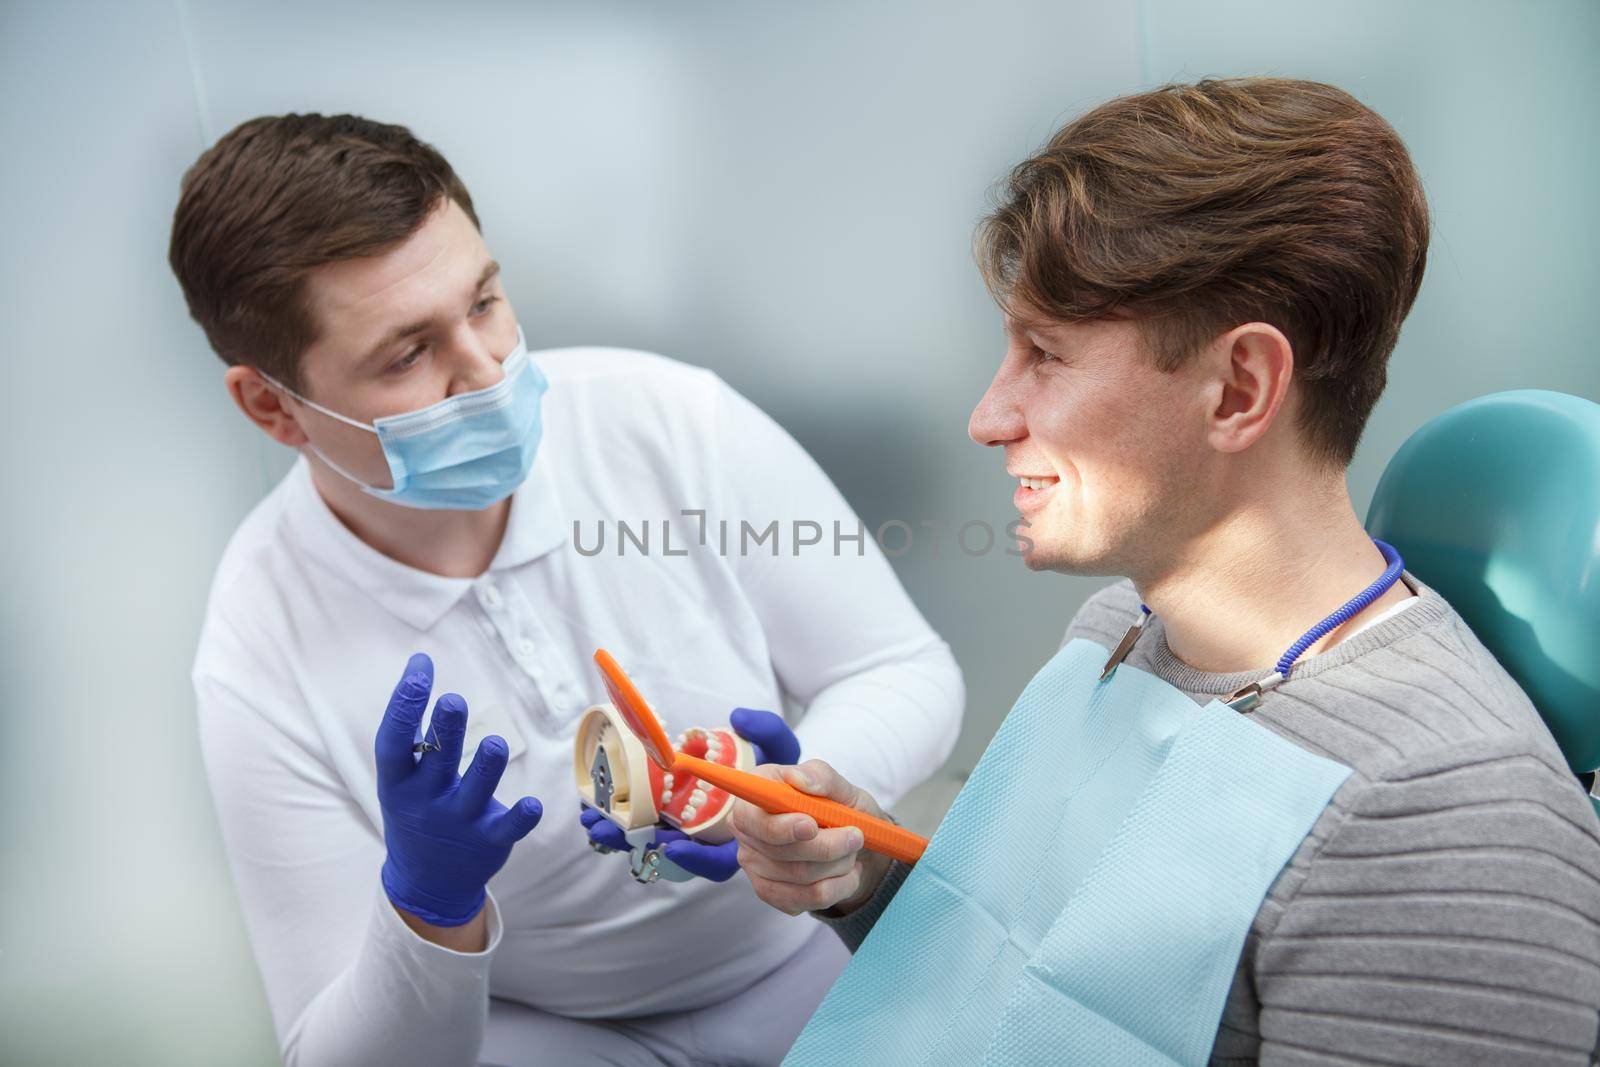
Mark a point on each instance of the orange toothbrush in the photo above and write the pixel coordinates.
(774, 796)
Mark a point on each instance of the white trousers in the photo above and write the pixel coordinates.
(753, 1029)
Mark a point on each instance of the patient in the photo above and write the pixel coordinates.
(1202, 286)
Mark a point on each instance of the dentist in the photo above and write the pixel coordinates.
(337, 266)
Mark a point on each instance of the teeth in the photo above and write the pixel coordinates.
(666, 796)
(1037, 483)
(666, 780)
(688, 814)
(697, 798)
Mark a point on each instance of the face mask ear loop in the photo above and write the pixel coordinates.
(382, 494)
(314, 406)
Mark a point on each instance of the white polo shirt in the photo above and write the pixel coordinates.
(308, 629)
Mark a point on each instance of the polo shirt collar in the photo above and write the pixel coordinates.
(416, 597)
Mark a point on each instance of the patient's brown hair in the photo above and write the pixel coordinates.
(1196, 208)
(281, 195)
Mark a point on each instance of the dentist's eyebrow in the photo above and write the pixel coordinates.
(411, 329)
(392, 338)
(489, 271)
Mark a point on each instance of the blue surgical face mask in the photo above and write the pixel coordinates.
(465, 452)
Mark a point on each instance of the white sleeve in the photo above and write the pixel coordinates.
(349, 984)
(883, 696)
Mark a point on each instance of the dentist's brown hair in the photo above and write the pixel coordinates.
(1194, 208)
(281, 195)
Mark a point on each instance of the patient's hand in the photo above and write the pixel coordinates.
(797, 866)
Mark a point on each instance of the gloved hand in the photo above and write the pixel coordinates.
(773, 741)
(446, 833)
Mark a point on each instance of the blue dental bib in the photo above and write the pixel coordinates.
(1087, 896)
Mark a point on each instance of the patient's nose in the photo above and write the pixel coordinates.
(997, 420)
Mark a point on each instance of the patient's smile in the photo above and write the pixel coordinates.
(1033, 491)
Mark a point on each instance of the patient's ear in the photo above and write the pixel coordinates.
(263, 405)
(1250, 368)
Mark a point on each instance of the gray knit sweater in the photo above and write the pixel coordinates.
(1445, 909)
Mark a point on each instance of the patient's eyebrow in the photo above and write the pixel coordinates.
(410, 329)
(1022, 328)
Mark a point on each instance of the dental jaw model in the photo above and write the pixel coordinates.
(615, 775)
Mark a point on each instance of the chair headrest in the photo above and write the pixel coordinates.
(1496, 504)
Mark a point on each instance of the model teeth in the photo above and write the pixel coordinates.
(688, 814)
(697, 798)
(1037, 483)
(666, 780)
(666, 796)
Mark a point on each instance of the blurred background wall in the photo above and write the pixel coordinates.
(784, 193)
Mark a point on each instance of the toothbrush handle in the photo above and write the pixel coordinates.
(879, 835)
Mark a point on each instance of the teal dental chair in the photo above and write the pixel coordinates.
(1496, 504)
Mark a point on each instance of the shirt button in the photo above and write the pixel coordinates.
(491, 596)
(524, 647)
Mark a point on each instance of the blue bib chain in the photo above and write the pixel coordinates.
(1245, 700)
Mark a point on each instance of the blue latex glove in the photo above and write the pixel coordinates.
(446, 833)
(773, 741)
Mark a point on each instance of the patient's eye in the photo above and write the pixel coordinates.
(483, 305)
(1037, 352)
